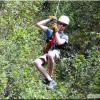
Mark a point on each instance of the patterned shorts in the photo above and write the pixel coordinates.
(55, 53)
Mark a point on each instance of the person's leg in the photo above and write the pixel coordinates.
(52, 55)
(38, 62)
(51, 63)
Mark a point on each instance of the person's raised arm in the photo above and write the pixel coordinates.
(42, 24)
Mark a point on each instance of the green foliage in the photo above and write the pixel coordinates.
(21, 42)
(79, 72)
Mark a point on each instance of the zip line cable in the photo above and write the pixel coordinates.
(57, 8)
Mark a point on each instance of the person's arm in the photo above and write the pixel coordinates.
(59, 40)
(42, 24)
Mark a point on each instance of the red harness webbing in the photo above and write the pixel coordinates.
(51, 42)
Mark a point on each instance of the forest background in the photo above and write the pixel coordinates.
(77, 73)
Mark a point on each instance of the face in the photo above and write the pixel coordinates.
(61, 26)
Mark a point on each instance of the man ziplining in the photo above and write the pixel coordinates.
(56, 39)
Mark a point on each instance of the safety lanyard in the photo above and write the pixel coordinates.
(57, 8)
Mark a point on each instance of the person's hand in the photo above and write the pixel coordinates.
(55, 27)
(52, 17)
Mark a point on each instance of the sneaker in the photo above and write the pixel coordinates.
(51, 85)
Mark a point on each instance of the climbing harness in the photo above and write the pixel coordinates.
(49, 45)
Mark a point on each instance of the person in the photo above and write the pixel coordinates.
(53, 52)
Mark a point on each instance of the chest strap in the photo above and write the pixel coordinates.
(49, 45)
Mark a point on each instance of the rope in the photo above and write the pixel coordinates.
(57, 8)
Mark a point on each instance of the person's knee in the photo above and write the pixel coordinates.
(50, 55)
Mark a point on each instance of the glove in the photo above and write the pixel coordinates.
(55, 27)
(52, 17)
